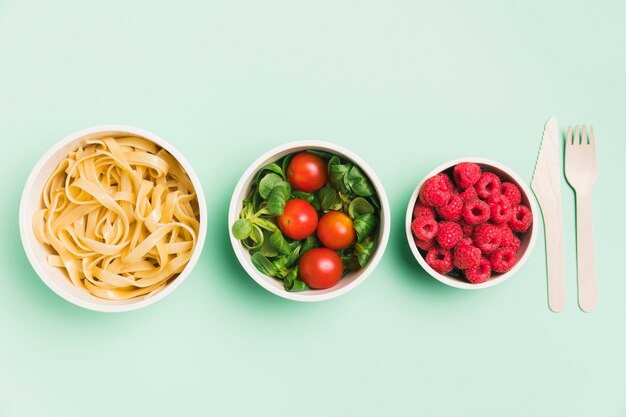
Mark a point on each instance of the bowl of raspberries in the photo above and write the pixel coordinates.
(471, 224)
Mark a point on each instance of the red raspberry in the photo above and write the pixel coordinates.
(487, 237)
(466, 255)
(421, 210)
(468, 229)
(487, 185)
(424, 244)
(440, 259)
(503, 259)
(475, 212)
(500, 208)
(424, 228)
(466, 174)
(449, 234)
(447, 182)
(509, 240)
(510, 191)
(436, 191)
(469, 194)
(521, 218)
(452, 209)
(479, 273)
(466, 241)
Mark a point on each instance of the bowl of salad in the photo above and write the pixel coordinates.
(309, 220)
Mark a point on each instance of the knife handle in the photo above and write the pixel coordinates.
(587, 291)
(553, 226)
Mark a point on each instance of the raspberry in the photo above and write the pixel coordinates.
(466, 255)
(424, 228)
(469, 194)
(449, 234)
(447, 182)
(503, 259)
(466, 174)
(510, 191)
(440, 259)
(436, 190)
(487, 237)
(475, 212)
(421, 210)
(479, 273)
(423, 244)
(509, 240)
(468, 229)
(521, 218)
(500, 208)
(487, 185)
(452, 209)
(469, 219)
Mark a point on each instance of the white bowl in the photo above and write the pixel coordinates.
(56, 278)
(274, 285)
(527, 240)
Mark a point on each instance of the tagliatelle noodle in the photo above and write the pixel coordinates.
(121, 217)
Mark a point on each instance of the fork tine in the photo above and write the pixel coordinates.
(577, 136)
(592, 142)
(583, 138)
(569, 135)
(592, 137)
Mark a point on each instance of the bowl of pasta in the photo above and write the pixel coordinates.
(112, 218)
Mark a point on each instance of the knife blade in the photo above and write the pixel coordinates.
(546, 184)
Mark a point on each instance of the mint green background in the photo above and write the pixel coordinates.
(407, 85)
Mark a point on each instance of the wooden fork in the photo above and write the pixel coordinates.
(581, 171)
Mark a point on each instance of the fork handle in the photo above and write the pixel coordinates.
(587, 291)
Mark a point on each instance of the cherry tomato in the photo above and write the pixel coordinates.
(299, 219)
(320, 268)
(335, 230)
(307, 172)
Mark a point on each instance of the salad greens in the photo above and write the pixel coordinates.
(348, 190)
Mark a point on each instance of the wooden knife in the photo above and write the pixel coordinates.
(546, 184)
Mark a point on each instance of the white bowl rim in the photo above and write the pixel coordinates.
(452, 281)
(263, 280)
(26, 228)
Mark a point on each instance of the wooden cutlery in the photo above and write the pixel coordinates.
(581, 171)
(546, 184)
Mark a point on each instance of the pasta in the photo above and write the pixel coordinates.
(120, 216)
